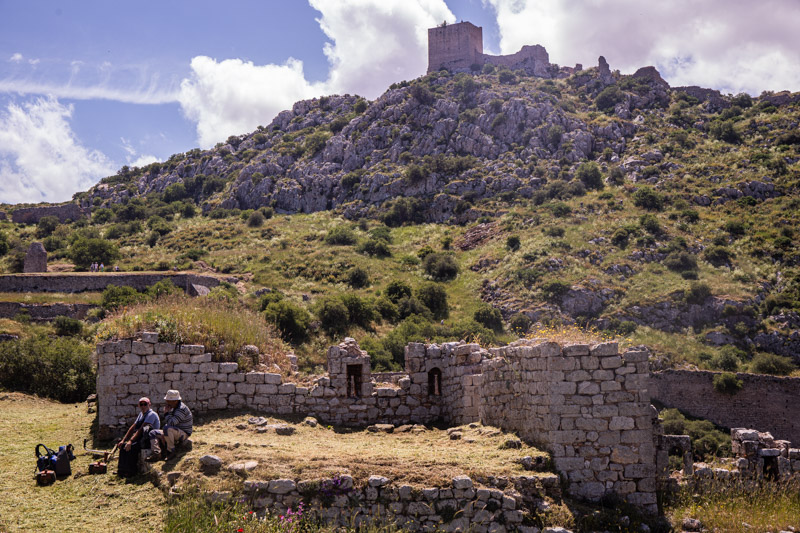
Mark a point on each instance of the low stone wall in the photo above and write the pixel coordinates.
(41, 312)
(463, 506)
(589, 406)
(32, 215)
(82, 282)
(766, 403)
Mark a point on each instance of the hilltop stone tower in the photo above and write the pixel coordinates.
(455, 46)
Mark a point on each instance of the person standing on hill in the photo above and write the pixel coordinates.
(178, 422)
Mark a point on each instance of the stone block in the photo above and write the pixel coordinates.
(155, 358)
(590, 362)
(256, 378)
(563, 387)
(605, 349)
(567, 437)
(208, 368)
(235, 378)
(164, 347)
(178, 358)
(246, 389)
(286, 388)
(591, 424)
(572, 350)
(610, 386)
(624, 455)
(562, 363)
(636, 436)
(266, 389)
(200, 358)
(272, 379)
(192, 349)
(131, 359)
(226, 388)
(149, 337)
(636, 356)
(227, 368)
(611, 362)
(188, 368)
(588, 388)
(462, 482)
(621, 422)
(577, 375)
(281, 486)
(141, 348)
(639, 471)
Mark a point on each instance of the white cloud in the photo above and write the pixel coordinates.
(143, 160)
(40, 157)
(147, 94)
(16, 58)
(731, 45)
(375, 43)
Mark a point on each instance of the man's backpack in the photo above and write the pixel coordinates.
(52, 464)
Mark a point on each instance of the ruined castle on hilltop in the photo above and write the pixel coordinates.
(459, 47)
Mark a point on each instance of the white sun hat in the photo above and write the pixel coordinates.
(172, 395)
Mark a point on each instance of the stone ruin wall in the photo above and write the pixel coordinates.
(32, 215)
(45, 312)
(588, 405)
(768, 403)
(82, 282)
(457, 47)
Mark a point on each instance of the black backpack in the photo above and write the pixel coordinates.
(58, 462)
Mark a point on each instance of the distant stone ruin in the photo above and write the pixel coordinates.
(31, 215)
(35, 258)
(459, 47)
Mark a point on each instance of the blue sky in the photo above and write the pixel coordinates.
(89, 86)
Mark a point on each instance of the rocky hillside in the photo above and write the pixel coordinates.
(669, 214)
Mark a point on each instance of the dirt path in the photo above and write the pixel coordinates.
(78, 503)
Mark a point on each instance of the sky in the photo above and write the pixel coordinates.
(89, 86)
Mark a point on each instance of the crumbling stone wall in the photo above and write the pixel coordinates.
(588, 405)
(767, 403)
(498, 505)
(57, 282)
(31, 215)
(40, 312)
(457, 47)
(35, 258)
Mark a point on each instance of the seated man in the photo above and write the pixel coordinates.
(135, 437)
(177, 427)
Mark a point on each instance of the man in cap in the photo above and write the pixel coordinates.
(137, 434)
(177, 427)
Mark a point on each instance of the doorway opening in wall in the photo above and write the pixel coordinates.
(435, 382)
(353, 381)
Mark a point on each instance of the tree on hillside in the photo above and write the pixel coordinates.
(85, 251)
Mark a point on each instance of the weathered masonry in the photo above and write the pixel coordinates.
(588, 404)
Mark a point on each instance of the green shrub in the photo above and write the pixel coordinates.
(489, 317)
(46, 226)
(65, 326)
(520, 324)
(396, 290)
(375, 247)
(647, 198)
(403, 211)
(440, 266)
(115, 297)
(3, 244)
(680, 261)
(102, 215)
(775, 365)
(727, 383)
(560, 209)
(359, 311)
(707, 440)
(340, 235)
(336, 125)
(60, 368)
(83, 252)
(315, 142)
(434, 297)
(291, 320)
(358, 278)
(333, 315)
(724, 130)
(726, 360)
(620, 238)
(386, 309)
(175, 193)
(650, 224)
(255, 220)
(589, 174)
(410, 306)
(513, 242)
(718, 255)
(698, 293)
(608, 98)
(507, 77)
(415, 173)
(554, 290)
(360, 106)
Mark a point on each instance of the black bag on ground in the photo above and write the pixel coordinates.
(63, 458)
(128, 464)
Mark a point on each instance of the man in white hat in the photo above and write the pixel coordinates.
(177, 426)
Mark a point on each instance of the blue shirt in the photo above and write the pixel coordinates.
(150, 417)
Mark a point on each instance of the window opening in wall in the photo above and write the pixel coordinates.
(353, 381)
(771, 468)
(435, 382)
